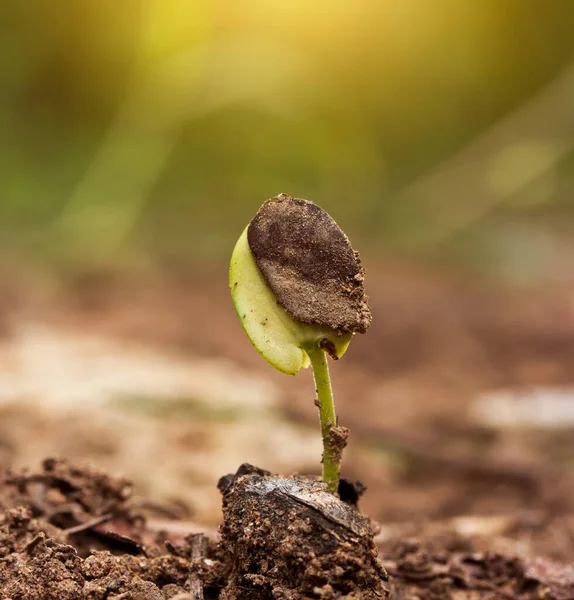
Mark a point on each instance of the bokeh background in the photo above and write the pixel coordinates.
(151, 131)
(138, 138)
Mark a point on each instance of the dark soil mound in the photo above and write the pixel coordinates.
(287, 537)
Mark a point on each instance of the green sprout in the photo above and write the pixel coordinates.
(297, 287)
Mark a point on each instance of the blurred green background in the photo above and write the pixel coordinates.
(149, 131)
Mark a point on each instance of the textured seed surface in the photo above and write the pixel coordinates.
(309, 264)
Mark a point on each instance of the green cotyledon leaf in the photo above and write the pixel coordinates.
(274, 333)
(297, 284)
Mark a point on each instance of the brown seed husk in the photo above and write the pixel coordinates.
(309, 264)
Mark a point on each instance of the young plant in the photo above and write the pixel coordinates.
(297, 287)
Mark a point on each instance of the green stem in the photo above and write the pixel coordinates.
(327, 416)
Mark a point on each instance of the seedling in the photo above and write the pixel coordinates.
(297, 286)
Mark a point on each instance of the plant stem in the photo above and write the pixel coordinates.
(327, 417)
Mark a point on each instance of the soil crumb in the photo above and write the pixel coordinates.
(308, 262)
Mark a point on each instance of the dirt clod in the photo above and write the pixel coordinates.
(293, 539)
(308, 262)
(337, 441)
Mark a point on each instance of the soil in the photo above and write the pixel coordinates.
(464, 506)
(103, 551)
(71, 533)
(291, 538)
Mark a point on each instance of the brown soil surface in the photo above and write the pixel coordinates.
(468, 508)
(70, 533)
